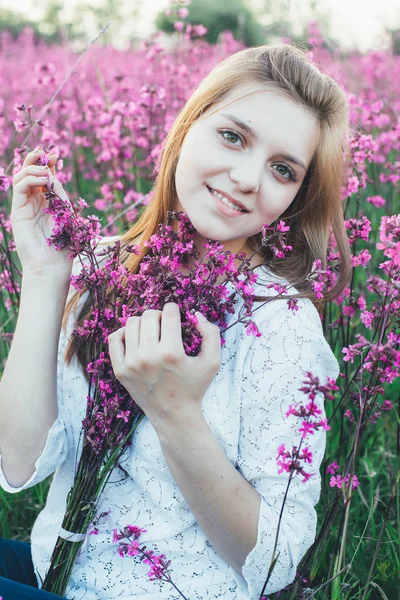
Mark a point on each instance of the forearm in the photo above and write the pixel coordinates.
(225, 505)
(28, 389)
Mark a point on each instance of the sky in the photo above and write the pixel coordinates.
(353, 23)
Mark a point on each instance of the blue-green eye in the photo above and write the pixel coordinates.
(292, 174)
(230, 132)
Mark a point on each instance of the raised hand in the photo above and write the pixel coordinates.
(31, 225)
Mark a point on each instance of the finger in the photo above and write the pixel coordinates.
(53, 158)
(33, 157)
(149, 336)
(59, 190)
(132, 338)
(26, 184)
(171, 328)
(211, 340)
(116, 347)
(30, 170)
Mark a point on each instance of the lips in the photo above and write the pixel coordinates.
(230, 198)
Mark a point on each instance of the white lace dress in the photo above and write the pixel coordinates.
(245, 408)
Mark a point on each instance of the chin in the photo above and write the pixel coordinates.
(205, 230)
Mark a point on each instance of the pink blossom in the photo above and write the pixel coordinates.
(376, 201)
(349, 354)
(367, 318)
(252, 329)
(124, 415)
(4, 181)
(293, 304)
(336, 481)
(200, 30)
(349, 310)
(361, 259)
(361, 303)
(331, 468)
(352, 185)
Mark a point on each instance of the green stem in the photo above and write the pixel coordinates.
(82, 501)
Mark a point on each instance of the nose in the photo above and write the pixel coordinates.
(247, 175)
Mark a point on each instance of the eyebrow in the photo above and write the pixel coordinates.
(251, 132)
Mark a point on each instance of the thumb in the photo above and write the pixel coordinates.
(211, 338)
(52, 163)
(58, 188)
(201, 320)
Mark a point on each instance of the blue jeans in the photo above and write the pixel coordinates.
(17, 577)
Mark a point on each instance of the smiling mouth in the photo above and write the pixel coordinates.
(226, 202)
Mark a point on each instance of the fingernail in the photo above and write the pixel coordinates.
(200, 316)
(38, 148)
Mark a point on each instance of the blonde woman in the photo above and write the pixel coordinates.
(262, 138)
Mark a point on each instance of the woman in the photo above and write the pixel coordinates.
(264, 131)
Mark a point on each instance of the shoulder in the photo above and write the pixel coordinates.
(288, 336)
(276, 313)
(108, 240)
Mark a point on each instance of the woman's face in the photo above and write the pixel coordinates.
(262, 170)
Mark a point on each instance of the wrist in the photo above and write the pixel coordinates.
(169, 425)
(31, 281)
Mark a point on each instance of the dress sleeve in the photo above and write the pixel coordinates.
(273, 371)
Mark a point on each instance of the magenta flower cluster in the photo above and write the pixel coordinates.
(290, 461)
(157, 562)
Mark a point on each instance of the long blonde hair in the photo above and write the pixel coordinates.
(317, 207)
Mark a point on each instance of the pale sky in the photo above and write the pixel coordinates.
(353, 23)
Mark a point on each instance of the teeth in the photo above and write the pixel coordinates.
(226, 201)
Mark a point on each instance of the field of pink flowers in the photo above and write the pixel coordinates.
(107, 123)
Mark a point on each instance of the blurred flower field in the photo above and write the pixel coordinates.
(106, 124)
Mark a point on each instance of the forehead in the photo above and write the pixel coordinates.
(252, 96)
(277, 119)
(242, 91)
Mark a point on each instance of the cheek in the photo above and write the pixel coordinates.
(186, 163)
(182, 170)
(178, 174)
(276, 204)
(195, 163)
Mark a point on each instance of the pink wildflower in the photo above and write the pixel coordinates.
(376, 201)
(331, 468)
(367, 318)
(252, 329)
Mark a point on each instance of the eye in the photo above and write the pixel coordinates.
(292, 174)
(232, 133)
